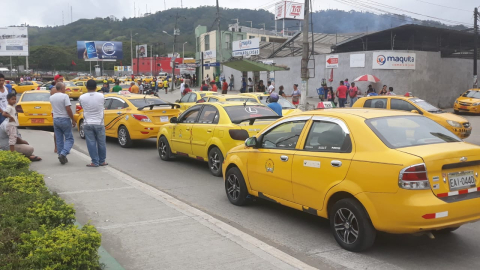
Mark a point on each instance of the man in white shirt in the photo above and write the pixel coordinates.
(3, 97)
(62, 122)
(93, 124)
(270, 88)
(182, 87)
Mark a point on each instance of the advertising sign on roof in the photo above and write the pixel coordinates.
(246, 47)
(289, 10)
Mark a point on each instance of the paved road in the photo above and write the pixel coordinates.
(306, 237)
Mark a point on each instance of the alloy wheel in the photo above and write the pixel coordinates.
(122, 136)
(346, 226)
(163, 149)
(233, 187)
(81, 130)
(215, 160)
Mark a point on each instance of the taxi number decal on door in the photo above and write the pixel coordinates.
(311, 163)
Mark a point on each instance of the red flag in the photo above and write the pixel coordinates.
(73, 63)
(331, 76)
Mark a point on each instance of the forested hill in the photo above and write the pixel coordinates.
(54, 47)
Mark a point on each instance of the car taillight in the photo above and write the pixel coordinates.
(68, 89)
(414, 177)
(38, 88)
(19, 109)
(238, 134)
(141, 118)
(78, 108)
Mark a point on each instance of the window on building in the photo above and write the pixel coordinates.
(207, 67)
(239, 37)
(228, 41)
(263, 39)
(198, 44)
(250, 37)
(207, 42)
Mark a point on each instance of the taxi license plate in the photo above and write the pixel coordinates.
(163, 118)
(463, 107)
(461, 180)
(38, 121)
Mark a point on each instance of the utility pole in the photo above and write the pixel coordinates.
(304, 67)
(175, 34)
(475, 53)
(219, 40)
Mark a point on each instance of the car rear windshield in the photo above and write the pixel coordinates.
(242, 99)
(69, 84)
(472, 94)
(282, 101)
(405, 131)
(36, 97)
(141, 102)
(425, 105)
(237, 113)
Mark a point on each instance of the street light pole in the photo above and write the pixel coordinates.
(183, 59)
(131, 50)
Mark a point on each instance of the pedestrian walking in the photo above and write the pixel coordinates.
(244, 86)
(165, 85)
(270, 87)
(250, 85)
(331, 96)
(261, 87)
(53, 90)
(62, 122)
(341, 94)
(296, 94)
(281, 92)
(224, 87)
(93, 127)
(232, 82)
(140, 87)
(3, 97)
(353, 93)
(182, 88)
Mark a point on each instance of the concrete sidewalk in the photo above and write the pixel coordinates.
(145, 228)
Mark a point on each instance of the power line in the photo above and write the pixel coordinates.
(444, 6)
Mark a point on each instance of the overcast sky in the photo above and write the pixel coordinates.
(42, 13)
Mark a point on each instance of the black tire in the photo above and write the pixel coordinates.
(456, 112)
(81, 130)
(164, 150)
(124, 137)
(75, 99)
(235, 187)
(347, 218)
(446, 230)
(215, 161)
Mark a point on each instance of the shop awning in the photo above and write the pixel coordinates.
(249, 65)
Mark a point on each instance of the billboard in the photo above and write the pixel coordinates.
(394, 60)
(142, 51)
(99, 50)
(246, 47)
(289, 10)
(13, 41)
(210, 54)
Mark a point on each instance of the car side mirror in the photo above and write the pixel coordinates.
(251, 142)
(414, 111)
(173, 120)
(177, 101)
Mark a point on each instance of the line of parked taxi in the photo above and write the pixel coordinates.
(392, 164)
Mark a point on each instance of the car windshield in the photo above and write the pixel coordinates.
(237, 113)
(472, 94)
(405, 131)
(36, 97)
(282, 101)
(142, 102)
(425, 105)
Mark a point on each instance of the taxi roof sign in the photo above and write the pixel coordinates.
(325, 105)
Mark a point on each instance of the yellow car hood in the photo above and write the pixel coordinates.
(469, 100)
(451, 116)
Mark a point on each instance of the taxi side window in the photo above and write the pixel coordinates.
(209, 115)
(185, 98)
(193, 98)
(328, 137)
(213, 100)
(379, 103)
(398, 104)
(190, 116)
(117, 104)
(283, 136)
(107, 103)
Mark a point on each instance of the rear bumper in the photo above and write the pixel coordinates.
(144, 131)
(404, 211)
(26, 120)
(74, 94)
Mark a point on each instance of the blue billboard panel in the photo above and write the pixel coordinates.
(99, 50)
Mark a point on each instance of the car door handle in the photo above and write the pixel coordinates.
(119, 113)
(187, 129)
(336, 163)
(209, 130)
(284, 158)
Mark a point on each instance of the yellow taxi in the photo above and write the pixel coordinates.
(34, 109)
(73, 91)
(287, 107)
(25, 86)
(456, 124)
(132, 117)
(207, 131)
(83, 86)
(365, 170)
(224, 98)
(191, 98)
(468, 102)
(83, 78)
